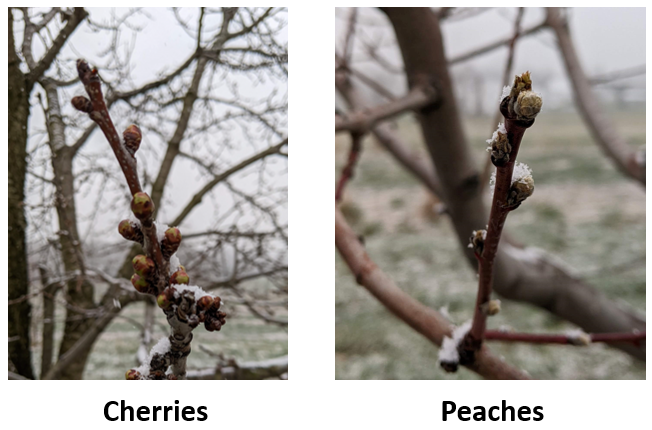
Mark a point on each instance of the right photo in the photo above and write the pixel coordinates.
(490, 193)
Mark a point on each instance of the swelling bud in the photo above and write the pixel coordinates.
(142, 206)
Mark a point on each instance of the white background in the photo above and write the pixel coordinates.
(311, 398)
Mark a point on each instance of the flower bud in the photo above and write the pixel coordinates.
(170, 242)
(205, 303)
(528, 105)
(143, 265)
(520, 190)
(490, 308)
(132, 374)
(130, 231)
(81, 103)
(140, 283)
(132, 137)
(162, 301)
(477, 241)
(142, 206)
(179, 277)
(499, 146)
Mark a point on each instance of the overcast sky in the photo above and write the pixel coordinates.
(607, 39)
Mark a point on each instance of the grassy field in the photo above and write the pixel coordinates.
(243, 338)
(583, 211)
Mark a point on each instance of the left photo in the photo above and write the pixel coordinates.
(148, 157)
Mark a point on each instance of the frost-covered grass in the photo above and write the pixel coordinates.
(582, 211)
(244, 338)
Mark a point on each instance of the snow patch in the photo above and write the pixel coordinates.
(197, 291)
(506, 90)
(448, 352)
(520, 174)
(174, 263)
(160, 230)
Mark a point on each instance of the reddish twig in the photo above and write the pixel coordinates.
(184, 306)
(504, 157)
(349, 168)
(567, 339)
(486, 173)
(97, 110)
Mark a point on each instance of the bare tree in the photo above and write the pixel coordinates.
(198, 115)
(516, 273)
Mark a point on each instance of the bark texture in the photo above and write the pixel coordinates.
(19, 313)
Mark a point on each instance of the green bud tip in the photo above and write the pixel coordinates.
(173, 235)
(179, 277)
(162, 301)
(143, 265)
(139, 283)
(142, 205)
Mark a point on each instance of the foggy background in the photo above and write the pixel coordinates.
(606, 39)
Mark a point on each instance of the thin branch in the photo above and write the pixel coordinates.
(419, 97)
(629, 161)
(495, 45)
(617, 75)
(427, 322)
(199, 196)
(349, 168)
(488, 167)
(565, 339)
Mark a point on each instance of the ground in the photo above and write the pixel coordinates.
(583, 211)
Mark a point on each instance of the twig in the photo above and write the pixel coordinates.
(419, 97)
(628, 160)
(504, 157)
(568, 339)
(497, 44)
(426, 321)
(349, 168)
(486, 173)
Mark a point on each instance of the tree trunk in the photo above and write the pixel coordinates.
(19, 313)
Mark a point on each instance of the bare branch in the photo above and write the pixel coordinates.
(422, 319)
(629, 161)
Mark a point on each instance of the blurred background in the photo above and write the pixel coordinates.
(208, 88)
(584, 212)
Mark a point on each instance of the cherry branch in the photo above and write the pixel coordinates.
(578, 339)
(185, 306)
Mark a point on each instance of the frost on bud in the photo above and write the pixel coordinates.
(140, 283)
(142, 205)
(490, 308)
(578, 338)
(476, 241)
(143, 265)
(170, 242)
(130, 231)
(499, 146)
(81, 103)
(132, 137)
(522, 185)
(179, 277)
(528, 105)
(132, 374)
